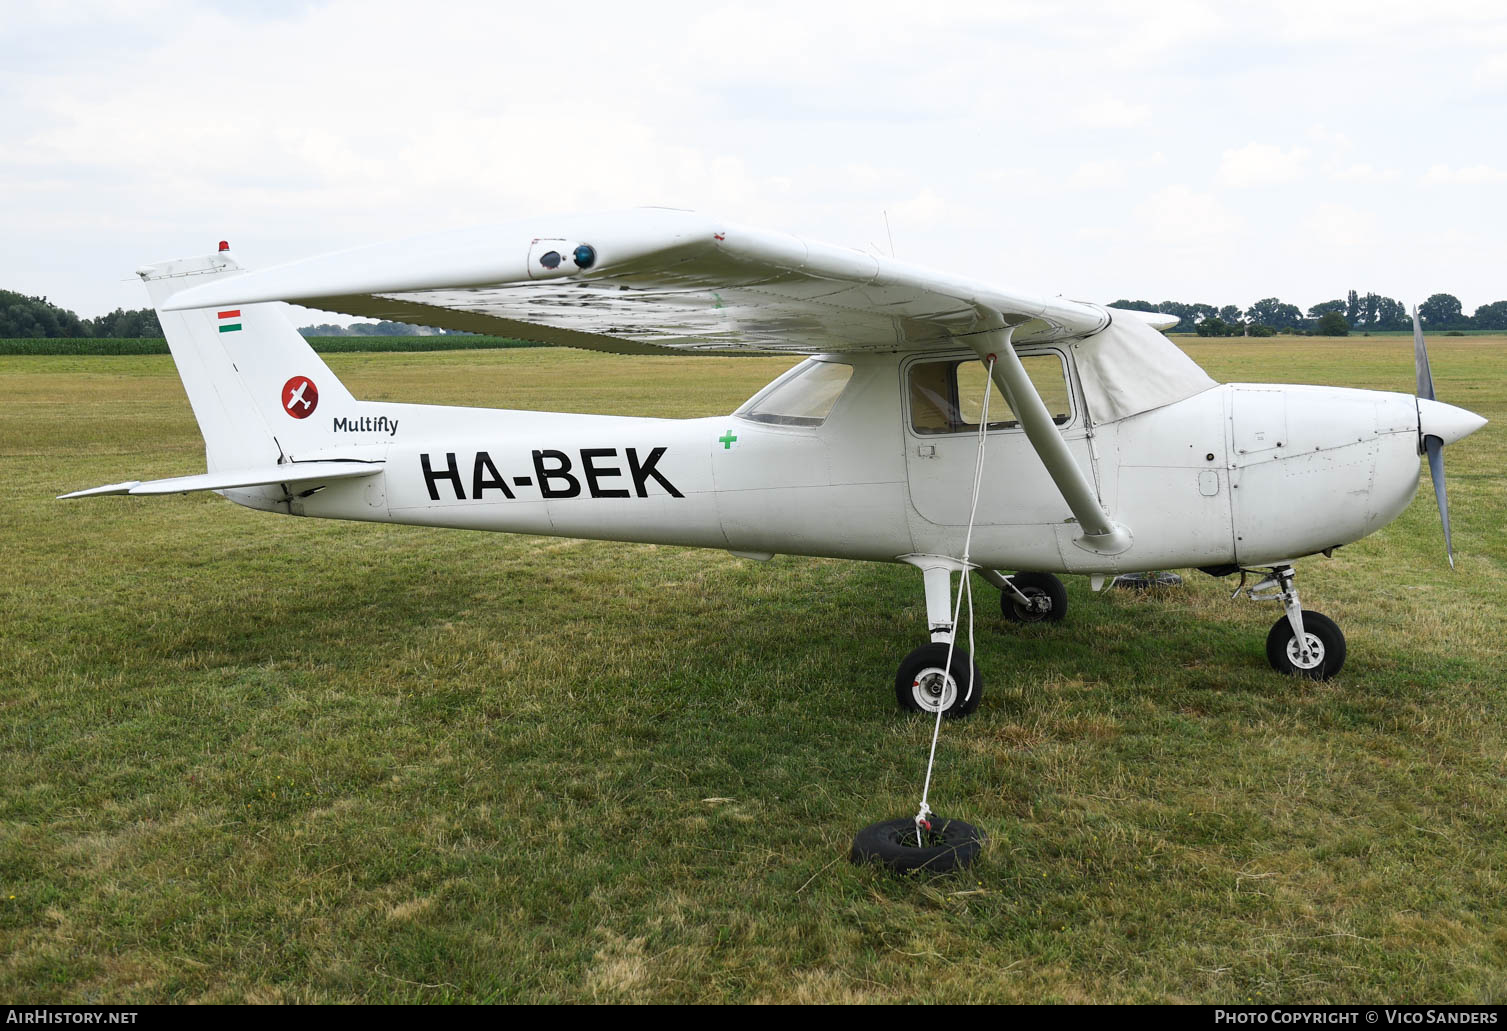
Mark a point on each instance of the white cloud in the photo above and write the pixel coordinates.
(1177, 214)
(1361, 172)
(1491, 73)
(1332, 226)
(1466, 175)
(1112, 113)
(1262, 164)
(922, 211)
(133, 131)
(1098, 175)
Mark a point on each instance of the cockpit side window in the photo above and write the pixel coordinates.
(805, 399)
(947, 396)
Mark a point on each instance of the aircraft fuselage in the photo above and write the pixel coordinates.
(1240, 473)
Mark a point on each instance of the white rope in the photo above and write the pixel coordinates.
(965, 586)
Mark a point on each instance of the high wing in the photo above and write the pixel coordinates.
(654, 280)
(299, 474)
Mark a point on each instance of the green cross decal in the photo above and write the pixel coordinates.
(726, 440)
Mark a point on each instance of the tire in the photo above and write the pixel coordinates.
(1321, 632)
(918, 683)
(954, 845)
(1034, 586)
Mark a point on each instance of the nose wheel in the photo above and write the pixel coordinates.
(1320, 654)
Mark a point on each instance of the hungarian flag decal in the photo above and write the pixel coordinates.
(230, 321)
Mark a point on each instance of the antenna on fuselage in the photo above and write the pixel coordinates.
(888, 233)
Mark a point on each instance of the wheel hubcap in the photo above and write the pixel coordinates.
(1037, 604)
(1315, 657)
(933, 689)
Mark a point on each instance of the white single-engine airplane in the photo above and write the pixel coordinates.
(1107, 449)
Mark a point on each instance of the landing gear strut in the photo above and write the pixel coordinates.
(925, 682)
(1302, 643)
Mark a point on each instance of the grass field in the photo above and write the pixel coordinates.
(246, 757)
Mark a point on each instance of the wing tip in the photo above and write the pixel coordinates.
(109, 488)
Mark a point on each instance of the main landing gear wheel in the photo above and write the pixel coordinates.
(923, 683)
(947, 845)
(1044, 592)
(1326, 647)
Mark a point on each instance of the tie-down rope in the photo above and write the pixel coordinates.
(965, 586)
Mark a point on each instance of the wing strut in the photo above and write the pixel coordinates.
(1101, 534)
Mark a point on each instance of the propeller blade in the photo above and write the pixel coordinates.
(1435, 448)
(1421, 361)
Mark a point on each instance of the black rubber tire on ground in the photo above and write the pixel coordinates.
(1321, 628)
(1035, 585)
(955, 845)
(909, 684)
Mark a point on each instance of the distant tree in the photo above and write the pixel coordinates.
(1492, 316)
(1443, 311)
(1257, 329)
(1323, 308)
(1187, 314)
(1231, 315)
(1134, 305)
(1333, 324)
(1213, 326)
(140, 322)
(1352, 308)
(1390, 314)
(361, 329)
(1368, 309)
(1269, 311)
(22, 316)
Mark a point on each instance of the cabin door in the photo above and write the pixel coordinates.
(943, 405)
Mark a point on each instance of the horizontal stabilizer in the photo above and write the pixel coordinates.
(267, 476)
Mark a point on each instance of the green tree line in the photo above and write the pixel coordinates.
(23, 317)
(376, 329)
(1355, 313)
(33, 317)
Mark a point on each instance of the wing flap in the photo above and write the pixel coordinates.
(290, 473)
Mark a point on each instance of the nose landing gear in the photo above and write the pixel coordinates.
(1302, 643)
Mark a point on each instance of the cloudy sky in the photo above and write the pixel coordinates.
(1202, 151)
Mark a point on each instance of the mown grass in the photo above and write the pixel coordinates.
(245, 757)
(324, 345)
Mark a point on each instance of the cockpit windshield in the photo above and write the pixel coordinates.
(803, 398)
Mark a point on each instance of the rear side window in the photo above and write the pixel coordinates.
(805, 399)
(947, 396)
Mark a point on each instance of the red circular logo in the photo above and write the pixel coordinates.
(300, 397)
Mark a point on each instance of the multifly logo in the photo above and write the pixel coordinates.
(300, 397)
(230, 321)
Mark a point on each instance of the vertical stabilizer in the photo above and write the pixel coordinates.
(254, 383)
